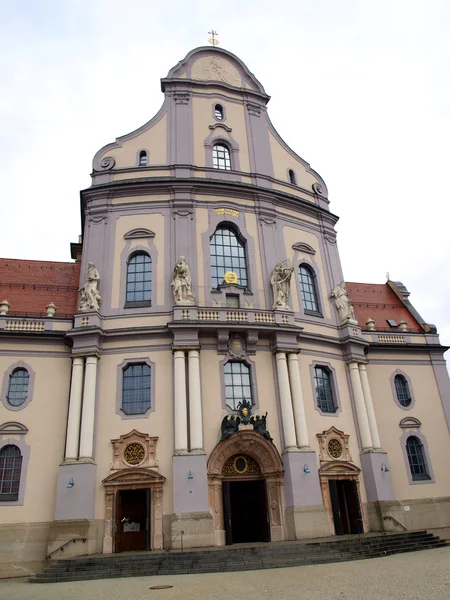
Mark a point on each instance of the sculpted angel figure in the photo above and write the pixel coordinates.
(281, 285)
(89, 295)
(343, 304)
(229, 426)
(182, 283)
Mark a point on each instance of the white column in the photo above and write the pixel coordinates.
(74, 420)
(179, 367)
(360, 406)
(195, 401)
(297, 401)
(369, 406)
(87, 420)
(287, 414)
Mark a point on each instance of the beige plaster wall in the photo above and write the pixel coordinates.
(45, 417)
(428, 409)
(124, 224)
(293, 236)
(203, 117)
(257, 259)
(154, 140)
(283, 160)
(111, 425)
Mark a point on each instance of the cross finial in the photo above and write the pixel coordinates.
(212, 40)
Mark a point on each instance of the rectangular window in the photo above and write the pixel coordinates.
(324, 390)
(237, 384)
(136, 390)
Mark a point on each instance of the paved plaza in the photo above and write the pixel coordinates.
(423, 575)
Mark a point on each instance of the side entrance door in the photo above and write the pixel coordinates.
(132, 520)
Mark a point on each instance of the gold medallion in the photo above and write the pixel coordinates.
(230, 277)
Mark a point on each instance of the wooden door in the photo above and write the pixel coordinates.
(132, 520)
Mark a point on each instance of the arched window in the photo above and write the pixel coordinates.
(136, 389)
(227, 254)
(139, 278)
(143, 158)
(324, 390)
(308, 289)
(221, 157)
(237, 383)
(218, 112)
(10, 468)
(416, 459)
(18, 387)
(292, 177)
(402, 390)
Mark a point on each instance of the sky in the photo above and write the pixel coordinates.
(360, 90)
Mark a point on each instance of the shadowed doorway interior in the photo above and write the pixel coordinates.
(245, 511)
(133, 510)
(345, 506)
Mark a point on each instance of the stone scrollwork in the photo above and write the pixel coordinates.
(107, 163)
(182, 283)
(280, 280)
(343, 304)
(318, 189)
(89, 295)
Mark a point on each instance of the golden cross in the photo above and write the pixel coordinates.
(212, 40)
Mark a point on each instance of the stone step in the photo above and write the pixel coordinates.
(236, 559)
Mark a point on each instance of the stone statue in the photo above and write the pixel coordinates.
(343, 304)
(280, 280)
(230, 426)
(182, 283)
(89, 295)
(259, 425)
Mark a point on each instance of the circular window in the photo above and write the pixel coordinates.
(335, 448)
(134, 454)
(241, 464)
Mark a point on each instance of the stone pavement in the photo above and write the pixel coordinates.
(423, 575)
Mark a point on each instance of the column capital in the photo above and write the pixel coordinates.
(280, 355)
(77, 361)
(92, 360)
(194, 353)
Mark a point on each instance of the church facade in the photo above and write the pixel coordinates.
(201, 374)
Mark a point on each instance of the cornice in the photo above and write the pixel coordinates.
(234, 189)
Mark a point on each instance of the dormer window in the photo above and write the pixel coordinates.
(292, 177)
(218, 112)
(143, 158)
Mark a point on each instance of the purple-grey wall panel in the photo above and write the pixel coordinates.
(190, 484)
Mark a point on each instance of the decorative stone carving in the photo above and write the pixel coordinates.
(51, 309)
(403, 325)
(343, 304)
(89, 295)
(216, 69)
(319, 190)
(107, 163)
(370, 324)
(333, 445)
(182, 283)
(134, 449)
(303, 247)
(280, 280)
(4, 307)
(236, 346)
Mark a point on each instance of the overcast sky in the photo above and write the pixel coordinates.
(360, 89)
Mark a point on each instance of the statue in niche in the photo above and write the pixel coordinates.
(182, 283)
(230, 426)
(280, 280)
(259, 425)
(343, 304)
(89, 294)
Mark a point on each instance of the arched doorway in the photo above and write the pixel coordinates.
(246, 490)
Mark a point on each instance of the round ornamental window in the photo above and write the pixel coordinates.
(134, 454)
(335, 448)
(240, 464)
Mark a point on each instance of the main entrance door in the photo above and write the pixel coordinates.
(345, 506)
(132, 518)
(245, 511)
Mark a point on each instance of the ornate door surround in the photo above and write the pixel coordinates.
(269, 462)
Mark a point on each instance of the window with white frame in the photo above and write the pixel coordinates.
(227, 254)
(237, 380)
(221, 157)
(139, 278)
(18, 387)
(136, 389)
(325, 399)
(10, 470)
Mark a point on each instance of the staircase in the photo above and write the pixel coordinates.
(236, 558)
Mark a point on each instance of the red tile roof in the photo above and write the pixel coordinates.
(379, 302)
(29, 285)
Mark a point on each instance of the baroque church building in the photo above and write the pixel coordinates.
(200, 373)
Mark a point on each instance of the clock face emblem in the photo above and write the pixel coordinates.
(230, 277)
